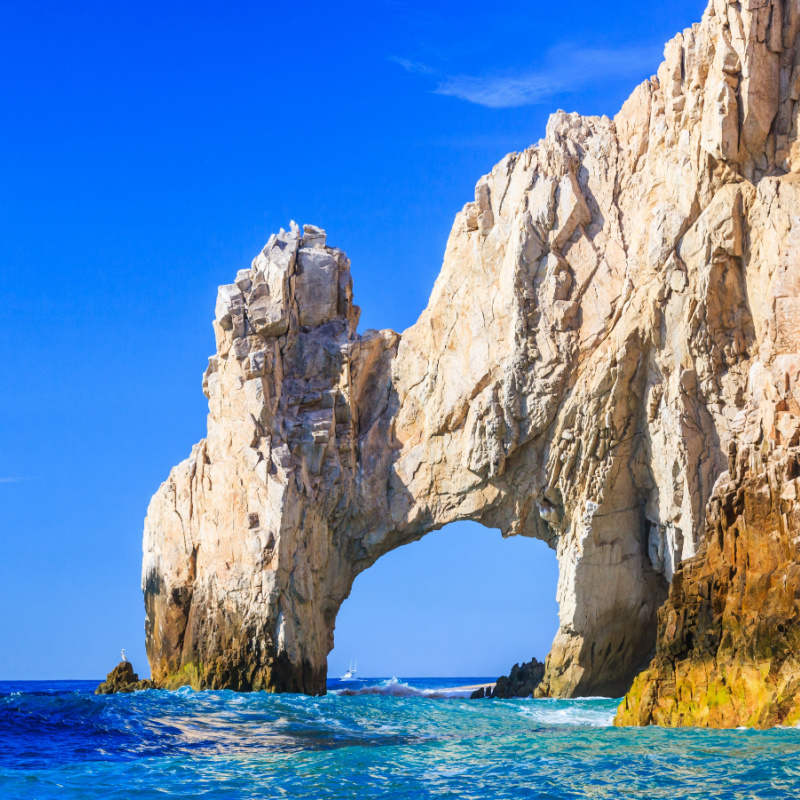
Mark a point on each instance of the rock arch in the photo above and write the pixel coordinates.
(577, 377)
(327, 449)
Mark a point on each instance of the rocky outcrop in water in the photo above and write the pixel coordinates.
(616, 308)
(522, 681)
(122, 679)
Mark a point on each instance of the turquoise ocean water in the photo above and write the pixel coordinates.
(378, 739)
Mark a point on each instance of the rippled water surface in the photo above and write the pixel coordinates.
(386, 739)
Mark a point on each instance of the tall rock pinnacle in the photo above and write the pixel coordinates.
(610, 349)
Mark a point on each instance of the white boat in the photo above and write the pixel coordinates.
(350, 675)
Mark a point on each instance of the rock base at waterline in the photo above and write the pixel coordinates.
(728, 651)
(123, 679)
(521, 682)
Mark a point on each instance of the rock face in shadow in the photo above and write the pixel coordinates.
(122, 679)
(613, 308)
(523, 681)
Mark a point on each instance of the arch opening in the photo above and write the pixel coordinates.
(460, 602)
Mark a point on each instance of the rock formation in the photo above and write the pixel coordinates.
(122, 680)
(728, 649)
(522, 681)
(617, 309)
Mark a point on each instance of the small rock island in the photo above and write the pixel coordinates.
(122, 679)
(523, 681)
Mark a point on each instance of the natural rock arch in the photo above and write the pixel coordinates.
(327, 449)
(577, 377)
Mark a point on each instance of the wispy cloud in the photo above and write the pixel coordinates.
(565, 68)
(413, 66)
(14, 480)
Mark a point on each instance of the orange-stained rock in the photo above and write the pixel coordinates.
(728, 649)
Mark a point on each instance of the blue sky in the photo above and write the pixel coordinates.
(147, 151)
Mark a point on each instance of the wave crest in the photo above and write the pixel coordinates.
(397, 688)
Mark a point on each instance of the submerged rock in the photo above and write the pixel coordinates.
(123, 679)
(617, 309)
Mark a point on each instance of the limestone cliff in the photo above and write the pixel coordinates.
(610, 316)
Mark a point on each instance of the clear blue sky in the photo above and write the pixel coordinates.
(147, 151)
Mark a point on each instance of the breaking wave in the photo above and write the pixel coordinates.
(392, 687)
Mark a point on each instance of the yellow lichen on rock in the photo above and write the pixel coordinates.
(728, 650)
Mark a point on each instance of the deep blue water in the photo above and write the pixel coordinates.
(390, 740)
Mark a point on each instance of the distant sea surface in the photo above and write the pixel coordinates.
(380, 738)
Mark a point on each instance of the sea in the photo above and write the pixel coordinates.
(380, 738)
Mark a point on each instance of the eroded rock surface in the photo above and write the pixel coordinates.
(582, 369)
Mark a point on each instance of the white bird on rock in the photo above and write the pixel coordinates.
(124, 657)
